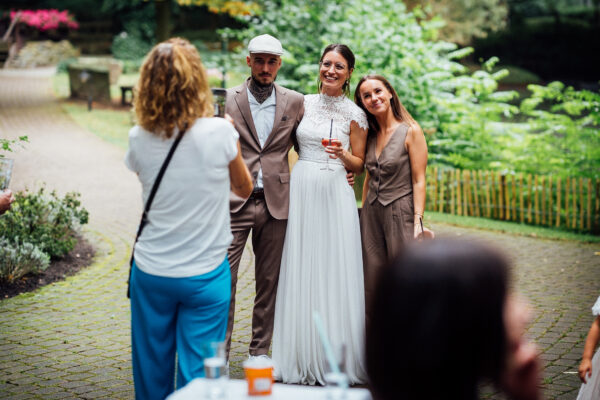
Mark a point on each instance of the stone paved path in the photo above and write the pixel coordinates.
(71, 339)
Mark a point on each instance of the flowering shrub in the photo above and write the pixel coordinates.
(44, 220)
(19, 259)
(45, 20)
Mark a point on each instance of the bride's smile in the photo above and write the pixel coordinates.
(333, 73)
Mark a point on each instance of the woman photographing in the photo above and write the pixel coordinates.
(180, 279)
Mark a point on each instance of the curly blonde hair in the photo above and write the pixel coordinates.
(173, 89)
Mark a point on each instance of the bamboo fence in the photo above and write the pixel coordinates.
(572, 202)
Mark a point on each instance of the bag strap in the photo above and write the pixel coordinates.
(159, 177)
(144, 219)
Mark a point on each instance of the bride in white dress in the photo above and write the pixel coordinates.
(321, 266)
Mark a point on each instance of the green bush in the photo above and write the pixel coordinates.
(129, 47)
(468, 122)
(132, 66)
(18, 259)
(455, 108)
(45, 221)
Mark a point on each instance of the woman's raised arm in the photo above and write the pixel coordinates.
(241, 182)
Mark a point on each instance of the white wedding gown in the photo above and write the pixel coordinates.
(321, 266)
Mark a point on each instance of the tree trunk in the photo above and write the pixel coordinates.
(163, 19)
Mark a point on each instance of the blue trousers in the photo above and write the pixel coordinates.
(175, 315)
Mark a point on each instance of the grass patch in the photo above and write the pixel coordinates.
(513, 228)
(110, 125)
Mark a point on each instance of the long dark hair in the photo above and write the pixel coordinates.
(437, 328)
(348, 55)
(400, 112)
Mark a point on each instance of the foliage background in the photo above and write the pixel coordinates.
(468, 122)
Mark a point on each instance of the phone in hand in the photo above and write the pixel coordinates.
(219, 96)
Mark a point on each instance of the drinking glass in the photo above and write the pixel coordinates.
(337, 381)
(330, 142)
(215, 370)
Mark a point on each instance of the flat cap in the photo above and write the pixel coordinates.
(265, 44)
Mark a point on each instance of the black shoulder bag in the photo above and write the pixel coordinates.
(163, 168)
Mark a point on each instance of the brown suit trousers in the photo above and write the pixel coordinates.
(265, 214)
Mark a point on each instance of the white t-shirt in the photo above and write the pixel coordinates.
(188, 230)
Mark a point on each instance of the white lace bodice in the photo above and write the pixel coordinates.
(319, 110)
(596, 308)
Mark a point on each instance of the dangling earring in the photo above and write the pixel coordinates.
(346, 85)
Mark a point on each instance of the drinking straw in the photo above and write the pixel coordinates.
(330, 130)
(326, 345)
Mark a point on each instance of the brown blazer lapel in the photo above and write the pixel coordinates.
(242, 101)
(280, 106)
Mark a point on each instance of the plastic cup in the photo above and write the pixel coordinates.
(259, 375)
(215, 370)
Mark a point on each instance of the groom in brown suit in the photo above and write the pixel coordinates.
(266, 116)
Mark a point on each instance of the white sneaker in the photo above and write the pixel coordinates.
(261, 357)
(266, 358)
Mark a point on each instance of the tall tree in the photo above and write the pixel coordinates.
(163, 10)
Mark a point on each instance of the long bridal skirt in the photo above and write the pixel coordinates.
(591, 389)
(321, 270)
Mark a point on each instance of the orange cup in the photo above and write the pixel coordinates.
(259, 375)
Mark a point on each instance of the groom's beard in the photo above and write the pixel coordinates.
(260, 91)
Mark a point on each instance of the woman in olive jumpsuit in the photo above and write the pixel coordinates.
(394, 189)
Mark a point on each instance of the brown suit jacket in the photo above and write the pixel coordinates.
(273, 157)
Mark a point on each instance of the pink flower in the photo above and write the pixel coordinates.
(46, 19)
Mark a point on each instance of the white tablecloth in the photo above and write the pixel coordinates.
(238, 389)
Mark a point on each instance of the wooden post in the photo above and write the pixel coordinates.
(581, 206)
(537, 201)
(501, 190)
(521, 201)
(488, 206)
(567, 215)
(514, 197)
(435, 189)
(442, 189)
(589, 204)
(452, 191)
(495, 211)
(530, 198)
(467, 194)
(558, 192)
(550, 201)
(574, 199)
(506, 187)
(543, 200)
(476, 177)
(459, 210)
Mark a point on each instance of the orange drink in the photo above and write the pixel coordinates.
(259, 375)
